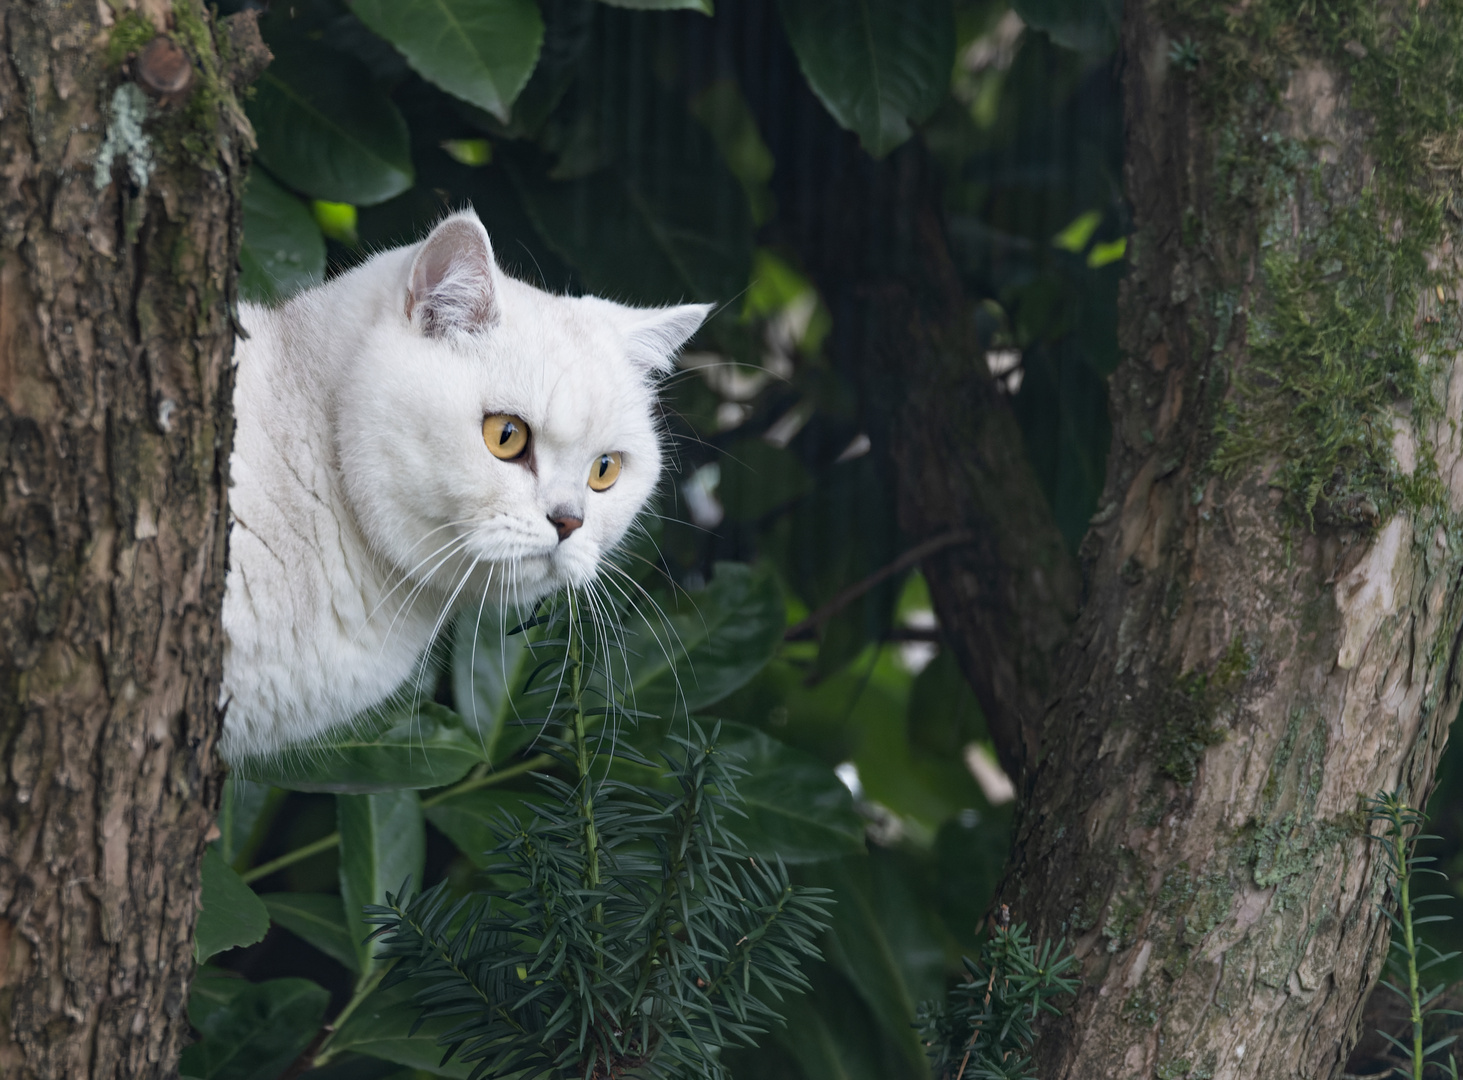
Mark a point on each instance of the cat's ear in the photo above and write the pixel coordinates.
(657, 334)
(453, 285)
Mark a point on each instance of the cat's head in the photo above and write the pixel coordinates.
(497, 440)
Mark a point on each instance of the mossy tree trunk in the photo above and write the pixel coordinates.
(1272, 622)
(117, 256)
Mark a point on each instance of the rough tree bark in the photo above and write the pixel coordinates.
(118, 247)
(1275, 587)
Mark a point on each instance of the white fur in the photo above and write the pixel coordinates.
(365, 506)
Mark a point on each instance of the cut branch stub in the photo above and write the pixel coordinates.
(164, 70)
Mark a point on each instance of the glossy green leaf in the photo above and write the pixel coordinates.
(282, 250)
(319, 918)
(383, 843)
(796, 806)
(481, 51)
(1084, 25)
(250, 1031)
(879, 66)
(470, 820)
(708, 644)
(404, 749)
(325, 128)
(231, 915)
(382, 1028)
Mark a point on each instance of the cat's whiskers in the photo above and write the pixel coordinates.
(406, 575)
(663, 645)
(477, 626)
(650, 598)
(447, 607)
(605, 604)
(596, 620)
(458, 547)
(670, 627)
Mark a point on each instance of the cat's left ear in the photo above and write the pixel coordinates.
(657, 334)
(452, 287)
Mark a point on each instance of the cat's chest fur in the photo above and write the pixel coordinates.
(373, 486)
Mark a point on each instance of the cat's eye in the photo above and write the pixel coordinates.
(604, 472)
(506, 436)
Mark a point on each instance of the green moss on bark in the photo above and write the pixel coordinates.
(1347, 308)
(1188, 713)
(131, 32)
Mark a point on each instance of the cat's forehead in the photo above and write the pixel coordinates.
(564, 359)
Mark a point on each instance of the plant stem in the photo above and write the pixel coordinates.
(586, 786)
(473, 783)
(364, 987)
(325, 843)
(1405, 882)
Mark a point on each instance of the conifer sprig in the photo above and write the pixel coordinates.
(1399, 847)
(984, 1029)
(627, 930)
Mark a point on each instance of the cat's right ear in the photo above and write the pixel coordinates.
(453, 288)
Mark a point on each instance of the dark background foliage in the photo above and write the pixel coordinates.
(657, 156)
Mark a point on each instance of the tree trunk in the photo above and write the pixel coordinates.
(1273, 609)
(118, 247)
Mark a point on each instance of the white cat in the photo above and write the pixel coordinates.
(419, 433)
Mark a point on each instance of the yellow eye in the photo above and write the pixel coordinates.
(506, 436)
(604, 472)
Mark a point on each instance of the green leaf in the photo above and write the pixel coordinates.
(643, 227)
(708, 644)
(382, 1027)
(282, 250)
(425, 748)
(250, 1031)
(482, 51)
(725, 113)
(877, 65)
(486, 663)
(758, 478)
(231, 916)
(469, 819)
(1084, 25)
(703, 6)
(383, 842)
(1075, 236)
(1106, 253)
(319, 918)
(336, 220)
(325, 128)
(796, 806)
(831, 1035)
(880, 948)
(245, 812)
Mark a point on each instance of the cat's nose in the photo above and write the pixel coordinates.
(564, 523)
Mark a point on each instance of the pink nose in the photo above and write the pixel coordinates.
(564, 524)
